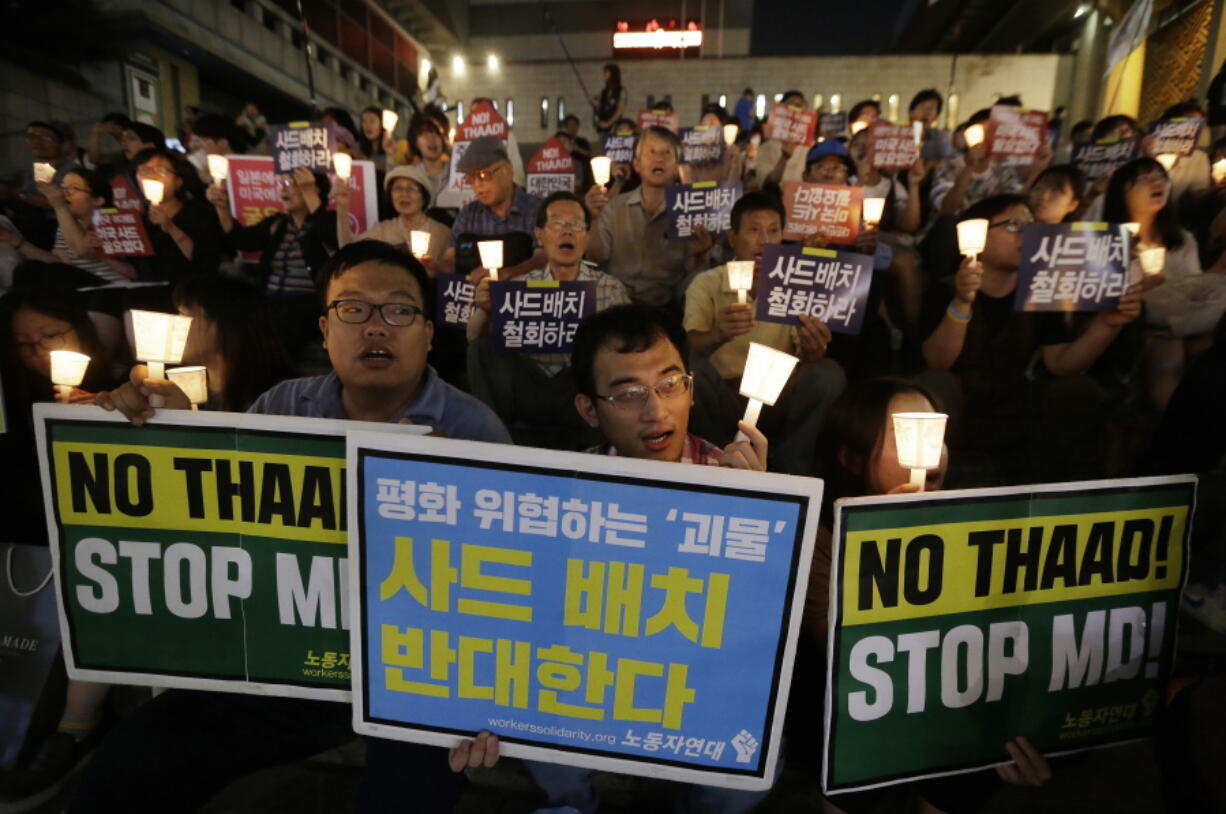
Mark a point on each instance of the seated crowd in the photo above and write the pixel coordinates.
(654, 373)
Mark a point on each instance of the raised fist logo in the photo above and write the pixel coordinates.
(745, 745)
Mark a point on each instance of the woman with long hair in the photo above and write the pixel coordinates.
(374, 141)
(612, 101)
(183, 228)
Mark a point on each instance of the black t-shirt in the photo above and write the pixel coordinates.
(168, 263)
(999, 347)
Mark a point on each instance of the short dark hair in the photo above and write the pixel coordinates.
(1062, 175)
(570, 117)
(757, 201)
(217, 126)
(1012, 100)
(116, 117)
(858, 108)
(747, 92)
(659, 132)
(190, 185)
(927, 95)
(1183, 110)
(375, 251)
(625, 329)
(99, 187)
(787, 94)
(1081, 127)
(55, 131)
(542, 212)
(992, 207)
(1106, 125)
(147, 133)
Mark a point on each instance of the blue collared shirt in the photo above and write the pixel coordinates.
(450, 411)
(478, 219)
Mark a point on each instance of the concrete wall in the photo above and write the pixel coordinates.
(1041, 79)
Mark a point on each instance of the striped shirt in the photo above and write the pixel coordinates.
(289, 273)
(99, 269)
(478, 219)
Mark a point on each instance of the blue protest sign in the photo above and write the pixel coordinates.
(453, 302)
(619, 147)
(823, 283)
(1176, 136)
(302, 144)
(539, 316)
(635, 616)
(705, 203)
(1101, 158)
(702, 145)
(1072, 267)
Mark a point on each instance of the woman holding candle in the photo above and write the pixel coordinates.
(184, 230)
(427, 145)
(410, 191)
(376, 142)
(1181, 314)
(858, 457)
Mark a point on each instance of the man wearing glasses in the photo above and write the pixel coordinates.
(49, 143)
(500, 210)
(190, 745)
(537, 388)
(630, 368)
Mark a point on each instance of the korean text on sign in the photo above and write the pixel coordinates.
(1176, 136)
(891, 147)
(454, 301)
(619, 147)
(121, 233)
(302, 144)
(1072, 267)
(539, 316)
(706, 203)
(659, 118)
(792, 125)
(833, 211)
(534, 595)
(829, 285)
(702, 145)
(1015, 135)
(1102, 158)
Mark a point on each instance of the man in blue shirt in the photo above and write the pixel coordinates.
(177, 751)
(744, 111)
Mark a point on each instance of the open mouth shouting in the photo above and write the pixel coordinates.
(656, 440)
(376, 357)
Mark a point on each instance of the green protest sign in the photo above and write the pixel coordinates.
(205, 550)
(961, 620)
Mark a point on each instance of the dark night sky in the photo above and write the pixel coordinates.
(796, 27)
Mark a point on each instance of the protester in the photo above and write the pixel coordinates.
(220, 135)
(409, 190)
(294, 246)
(427, 148)
(190, 745)
(1190, 175)
(719, 330)
(534, 394)
(980, 351)
(778, 161)
(973, 175)
(926, 107)
(629, 238)
(184, 230)
(1055, 195)
(254, 126)
(374, 142)
(865, 112)
(111, 126)
(48, 143)
(743, 111)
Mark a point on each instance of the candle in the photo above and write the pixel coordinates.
(917, 130)
(919, 438)
(602, 169)
(766, 372)
(491, 255)
(193, 381)
(856, 127)
(390, 118)
(419, 242)
(1219, 171)
(972, 236)
(1167, 160)
(67, 370)
(219, 168)
(153, 190)
(974, 135)
(1152, 259)
(1134, 229)
(160, 339)
(343, 164)
(44, 173)
(740, 277)
(730, 134)
(874, 208)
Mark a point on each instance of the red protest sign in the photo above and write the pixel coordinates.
(125, 195)
(482, 120)
(121, 233)
(551, 169)
(255, 189)
(892, 147)
(363, 193)
(792, 125)
(659, 118)
(1016, 134)
(833, 211)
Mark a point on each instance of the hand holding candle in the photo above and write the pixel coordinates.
(67, 371)
(740, 278)
(193, 381)
(874, 208)
(153, 190)
(390, 117)
(917, 132)
(856, 127)
(419, 243)
(919, 439)
(972, 236)
(766, 372)
(491, 256)
(44, 173)
(730, 134)
(974, 135)
(160, 339)
(219, 168)
(1153, 259)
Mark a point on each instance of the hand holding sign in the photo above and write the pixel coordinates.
(139, 398)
